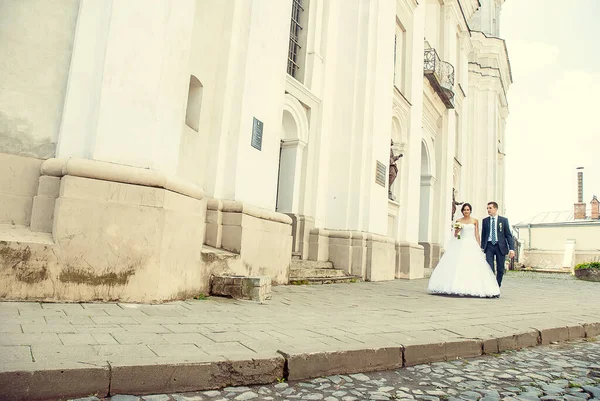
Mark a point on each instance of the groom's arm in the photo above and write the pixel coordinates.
(509, 236)
(483, 234)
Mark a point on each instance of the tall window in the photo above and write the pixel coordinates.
(399, 56)
(194, 104)
(297, 48)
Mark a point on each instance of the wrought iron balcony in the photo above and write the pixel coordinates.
(441, 76)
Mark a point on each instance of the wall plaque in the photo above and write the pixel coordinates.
(380, 171)
(257, 132)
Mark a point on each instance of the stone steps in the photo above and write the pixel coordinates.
(310, 264)
(317, 272)
(303, 272)
(324, 280)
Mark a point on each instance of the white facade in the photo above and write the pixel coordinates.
(175, 86)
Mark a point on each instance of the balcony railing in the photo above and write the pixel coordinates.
(441, 76)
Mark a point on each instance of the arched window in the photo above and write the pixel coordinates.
(194, 104)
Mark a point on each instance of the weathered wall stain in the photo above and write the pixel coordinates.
(10, 256)
(23, 267)
(86, 276)
(17, 138)
(31, 274)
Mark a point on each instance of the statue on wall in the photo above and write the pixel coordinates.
(454, 203)
(393, 172)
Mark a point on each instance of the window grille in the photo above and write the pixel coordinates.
(295, 29)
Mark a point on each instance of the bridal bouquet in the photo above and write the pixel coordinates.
(457, 229)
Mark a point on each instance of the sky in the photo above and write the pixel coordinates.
(554, 103)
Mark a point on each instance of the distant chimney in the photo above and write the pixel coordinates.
(579, 212)
(595, 208)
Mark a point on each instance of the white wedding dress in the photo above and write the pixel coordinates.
(463, 269)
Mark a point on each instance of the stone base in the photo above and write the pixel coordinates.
(256, 289)
(261, 238)
(110, 241)
(301, 226)
(409, 261)
(432, 255)
(18, 185)
(368, 256)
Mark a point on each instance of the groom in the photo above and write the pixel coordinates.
(496, 240)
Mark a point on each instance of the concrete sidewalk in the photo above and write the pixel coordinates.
(73, 350)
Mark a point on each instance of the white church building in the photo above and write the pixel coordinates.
(143, 143)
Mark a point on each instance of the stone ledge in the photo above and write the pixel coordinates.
(416, 354)
(105, 171)
(256, 289)
(230, 206)
(314, 364)
(185, 377)
(526, 339)
(592, 330)
(54, 383)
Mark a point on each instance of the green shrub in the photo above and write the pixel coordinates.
(589, 265)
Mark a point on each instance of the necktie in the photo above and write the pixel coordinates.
(494, 240)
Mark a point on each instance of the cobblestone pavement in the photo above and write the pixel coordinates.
(565, 372)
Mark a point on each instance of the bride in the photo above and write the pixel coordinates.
(463, 269)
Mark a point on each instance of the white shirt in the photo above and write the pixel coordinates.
(496, 223)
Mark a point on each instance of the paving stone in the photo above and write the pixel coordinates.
(427, 398)
(124, 398)
(552, 390)
(182, 397)
(158, 397)
(236, 389)
(594, 391)
(528, 397)
(360, 377)
(569, 397)
(248, 395)
(313, 397)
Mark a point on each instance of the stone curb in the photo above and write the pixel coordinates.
(140, 379)
(54, 384)
(315, 364)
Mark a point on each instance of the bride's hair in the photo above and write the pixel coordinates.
(462, 209)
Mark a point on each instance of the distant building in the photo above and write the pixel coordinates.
(555, 240)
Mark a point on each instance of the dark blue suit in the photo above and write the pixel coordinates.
(500, 249)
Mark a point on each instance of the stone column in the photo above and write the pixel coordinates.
(127, 90)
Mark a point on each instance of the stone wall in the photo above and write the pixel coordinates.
(554, 259)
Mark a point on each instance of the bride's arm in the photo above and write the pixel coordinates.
(477, 232)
